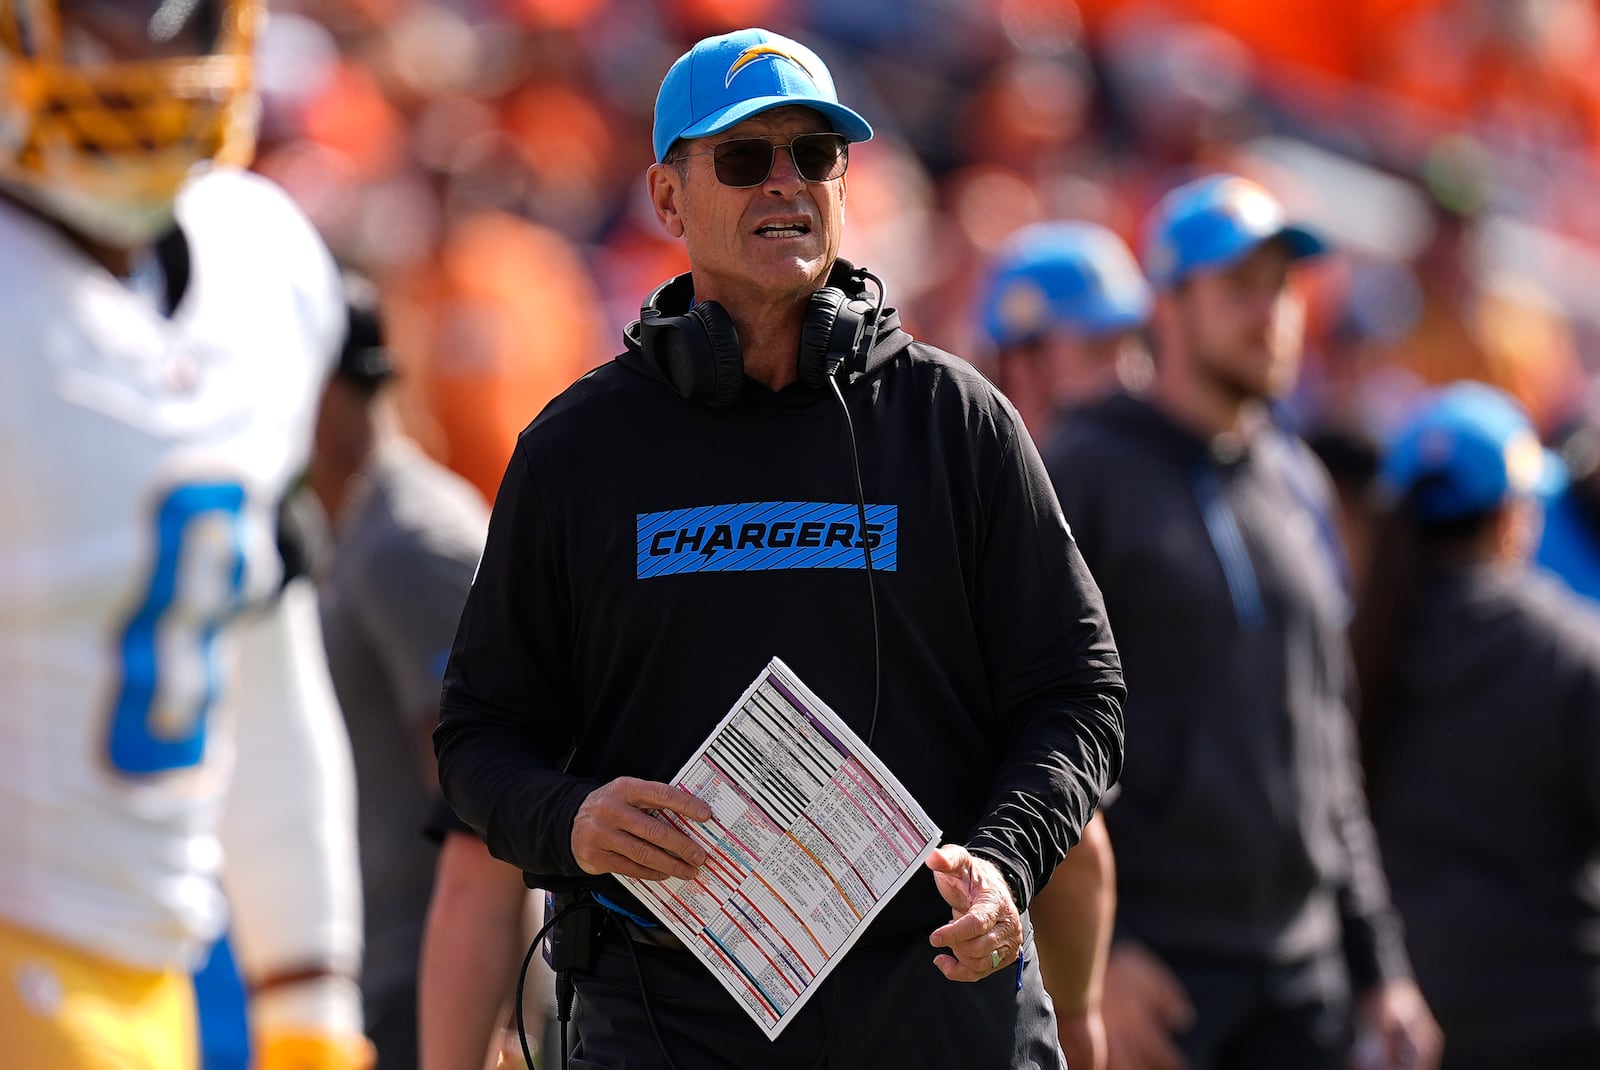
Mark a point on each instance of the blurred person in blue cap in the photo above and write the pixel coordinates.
(1480, 682)
(1253, 924)
(1467, 452)
(773, 466)
(1063, 307)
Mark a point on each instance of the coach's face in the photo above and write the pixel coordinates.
(774, 241)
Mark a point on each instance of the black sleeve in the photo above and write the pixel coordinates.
(1575, 686)
(1374, 941)
(1054, 673)
(1373, 934)
(1586, 750)
(443, 822)
(507, 717)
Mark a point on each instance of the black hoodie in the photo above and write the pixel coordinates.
(648, 555)
(1240, 829)
(1487, 803)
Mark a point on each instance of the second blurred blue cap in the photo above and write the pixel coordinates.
(724, 80)
(1214, 222)
(1467, 449)
(1075, 276)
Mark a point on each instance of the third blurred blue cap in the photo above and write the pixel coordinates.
(724, 80)
(1214, 222)
(1468, 448)
(1075, 276)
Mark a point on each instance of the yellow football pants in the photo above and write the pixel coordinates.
(64, 1009)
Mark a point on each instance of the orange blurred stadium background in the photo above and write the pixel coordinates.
(483, 161)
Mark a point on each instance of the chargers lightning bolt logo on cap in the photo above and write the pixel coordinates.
(758, 52)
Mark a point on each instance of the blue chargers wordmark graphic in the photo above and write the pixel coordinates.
(755, 536)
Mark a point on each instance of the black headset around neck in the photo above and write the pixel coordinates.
(699, 352)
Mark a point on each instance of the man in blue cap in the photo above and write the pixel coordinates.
(1063, 307)
(1480, 680)
(774, 467)
(1254, 928)
(1469, 450)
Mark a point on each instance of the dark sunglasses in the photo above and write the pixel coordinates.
(742, 162)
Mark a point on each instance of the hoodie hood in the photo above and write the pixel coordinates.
(676, 296)
(1130, 414)
(1133, 414)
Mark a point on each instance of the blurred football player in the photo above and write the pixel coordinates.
(169, 324)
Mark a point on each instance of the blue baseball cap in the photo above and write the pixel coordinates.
(1214, 222)
(1467, 449)
(1075, 276)
(724, 80)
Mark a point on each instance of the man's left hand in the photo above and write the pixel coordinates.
(985, 931)
(1397, 1018)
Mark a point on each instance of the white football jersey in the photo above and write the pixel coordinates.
(142, 460)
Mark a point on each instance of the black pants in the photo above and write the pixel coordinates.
(886, 1005)
(1259, 1016)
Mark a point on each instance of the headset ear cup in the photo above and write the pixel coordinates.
(698, 352)
(722, 371)
(671, 341)
(820, 351)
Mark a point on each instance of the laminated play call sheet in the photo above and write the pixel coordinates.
(810, 836)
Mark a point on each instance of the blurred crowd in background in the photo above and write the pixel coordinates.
(483, 161)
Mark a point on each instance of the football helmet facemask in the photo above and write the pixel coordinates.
(107, 106)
